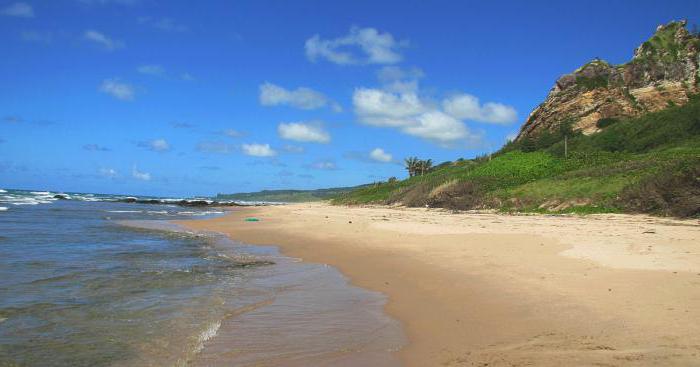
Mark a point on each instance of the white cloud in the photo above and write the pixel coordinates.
(379, 155)
(117, 89)
(381, 108)
(19, 9)
(258, 150)
(215, 147)
(108, 172)
(187, 77)
(439, 127)
(410, 114)
(375, 47)
(143, 176)
(99, 38)
(399, 104)
(323, 165)
(155, 70)
(304, 132)
(303, 98)
(156, 145)
(467, 106)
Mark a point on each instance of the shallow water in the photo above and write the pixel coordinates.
(90, 283)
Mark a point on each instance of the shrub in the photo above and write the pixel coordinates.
(674, 191)
(605, 122)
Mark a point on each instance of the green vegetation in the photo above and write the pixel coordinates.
(287, 196)
(599, 81)
(647, 164)
(664, 46)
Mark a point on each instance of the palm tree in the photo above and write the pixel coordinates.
(425, 166)
(411, 164)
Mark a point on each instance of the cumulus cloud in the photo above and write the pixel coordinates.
(359, 46)
(438, 126)
(399, 104)
(217, 147)
(410, 114)
(155, 70)
(258, 150)
(108, 172)
(386, 109)
(156, 145)
(143, 176)
(379, 155)
(101, 39)
(19, 9)
(118, 89)
(302, 97)
(467, 107)
(303, 132)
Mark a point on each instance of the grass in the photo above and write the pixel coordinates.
(611, 171)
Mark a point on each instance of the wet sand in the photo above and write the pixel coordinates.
(497, 290)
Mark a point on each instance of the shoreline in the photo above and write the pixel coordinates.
(473, 289)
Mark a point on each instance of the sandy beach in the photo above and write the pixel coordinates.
(475, 289)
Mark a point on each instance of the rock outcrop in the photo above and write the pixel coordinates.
(663, 72)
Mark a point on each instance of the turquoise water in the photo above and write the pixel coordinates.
(95, 283)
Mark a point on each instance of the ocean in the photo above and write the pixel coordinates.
(89, 281)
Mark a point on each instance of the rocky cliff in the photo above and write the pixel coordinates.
(664, 71)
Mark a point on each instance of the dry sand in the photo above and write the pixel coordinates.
(498, 290)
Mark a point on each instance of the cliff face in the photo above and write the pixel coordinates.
(663, 72)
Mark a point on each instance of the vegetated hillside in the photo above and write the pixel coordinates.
(645, 164)
(287, 196)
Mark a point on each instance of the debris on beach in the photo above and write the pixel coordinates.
(251, 219)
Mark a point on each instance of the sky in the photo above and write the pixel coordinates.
(184, 98)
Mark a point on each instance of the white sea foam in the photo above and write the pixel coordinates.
(1, 190)
(124, 211)
(86, 198)
(157, 212)
(3, 208)
(25, 202)
(206, 335)
(40, 193)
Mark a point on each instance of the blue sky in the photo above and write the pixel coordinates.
(195, 98)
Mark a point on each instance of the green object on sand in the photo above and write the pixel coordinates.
(252, 220)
